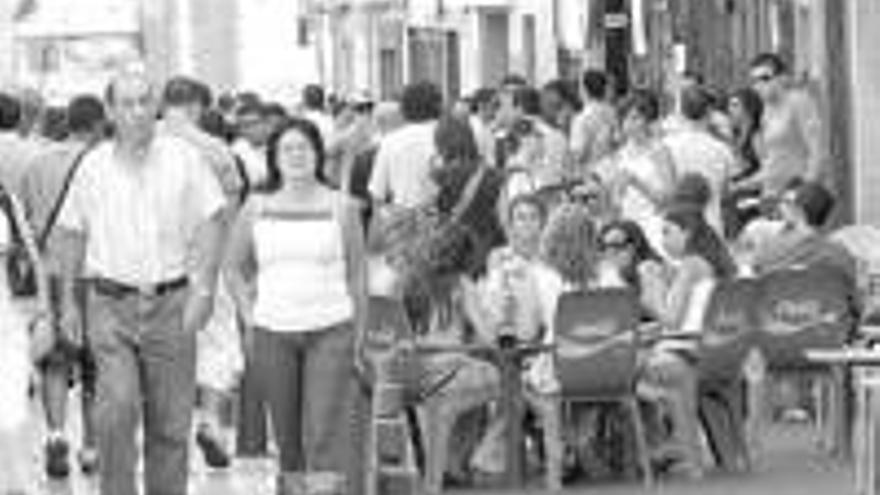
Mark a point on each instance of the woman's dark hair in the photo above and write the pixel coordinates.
(643, 101)
(311, 133)
(702, 240)
(691, 190)
(459, 157)
(744, 137)
(455, 142)
(642, 250)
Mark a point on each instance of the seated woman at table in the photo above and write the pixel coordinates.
(628, 260)
(698, 259)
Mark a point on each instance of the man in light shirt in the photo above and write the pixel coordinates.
(315, 109)
(593, 129)
(402, 172)
(142, 224)
(252, 131)
(695, 150)
(184, 101)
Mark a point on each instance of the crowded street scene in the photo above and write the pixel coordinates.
(413, 247)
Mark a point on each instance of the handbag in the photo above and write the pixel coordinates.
(20, 271)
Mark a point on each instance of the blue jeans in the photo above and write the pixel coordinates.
(308, 381)
(146, 370)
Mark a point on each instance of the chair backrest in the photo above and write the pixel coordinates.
(729, 329)
(596, 343)
(802, 309)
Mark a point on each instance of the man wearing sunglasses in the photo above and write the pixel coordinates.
(791, 144)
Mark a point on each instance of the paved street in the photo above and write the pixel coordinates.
(793, 467)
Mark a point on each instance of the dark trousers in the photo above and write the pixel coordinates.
(721, 409)
(146, 371)
(308, 381)
(252, 425)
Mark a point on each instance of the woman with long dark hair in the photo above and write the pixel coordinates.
(627, 256)
(746, 111)
(301, 245)
(699, 259)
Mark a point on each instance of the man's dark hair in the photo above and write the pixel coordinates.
(10, 112)
(641, 100)
(595, 83)
(773, 61)
(695, 103)
(248, 98)
(694, 76)
(250, 108)
(566, 91)
(53, 124)
(85, 113)
(275, 109)
(421, 102)
(183, 91)
(513, 80)
(691, 190)
(528, 99)
(313, 97)
(482, 97)
(212, 122)
(816, 201)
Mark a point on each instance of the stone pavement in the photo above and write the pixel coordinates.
(793, 467)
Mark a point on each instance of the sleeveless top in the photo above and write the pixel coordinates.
(301, 271)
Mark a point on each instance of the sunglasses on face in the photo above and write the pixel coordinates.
(614, 245)
(764, 77)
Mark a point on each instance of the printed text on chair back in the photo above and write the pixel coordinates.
(804, 309)
(729, 329)
(596, 342)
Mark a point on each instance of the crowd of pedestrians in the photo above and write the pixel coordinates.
(188, 251)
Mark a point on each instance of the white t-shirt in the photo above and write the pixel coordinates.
(402, 171)
(697, 151)
(140, 219)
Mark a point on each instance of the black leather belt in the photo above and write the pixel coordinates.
(112, 288)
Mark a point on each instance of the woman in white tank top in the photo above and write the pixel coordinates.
(297, 278)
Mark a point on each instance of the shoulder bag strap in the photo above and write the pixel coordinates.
(59, 201)
(470, 192)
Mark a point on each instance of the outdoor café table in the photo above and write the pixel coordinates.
(865, 361)
(508, 355)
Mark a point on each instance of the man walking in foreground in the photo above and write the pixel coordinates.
(142, 205)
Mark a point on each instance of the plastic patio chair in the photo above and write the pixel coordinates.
(810, 309)
(596, 356)
(728, 336)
